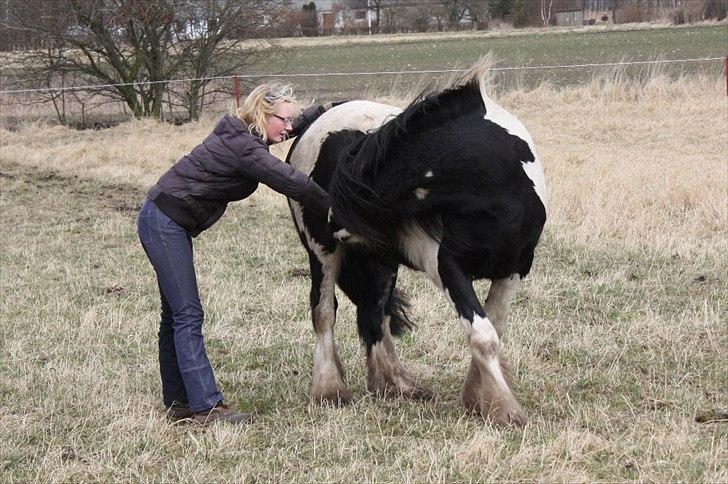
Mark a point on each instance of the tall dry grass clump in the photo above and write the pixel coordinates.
(638, 163)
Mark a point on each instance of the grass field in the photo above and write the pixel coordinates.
(558, 48)
(617, 339)
(458, 50)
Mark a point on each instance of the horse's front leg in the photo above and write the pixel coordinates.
(328, 377)
(486, 389)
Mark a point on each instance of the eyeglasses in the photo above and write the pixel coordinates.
(285, 120)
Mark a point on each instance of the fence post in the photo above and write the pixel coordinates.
(237, 91)
(726, 76)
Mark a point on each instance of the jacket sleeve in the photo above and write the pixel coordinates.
(258, 164)
(307, 116)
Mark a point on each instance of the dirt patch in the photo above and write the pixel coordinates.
(111, 196)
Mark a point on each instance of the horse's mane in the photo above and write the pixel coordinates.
(356, 204)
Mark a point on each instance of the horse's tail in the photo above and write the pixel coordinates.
(355, 202)
(399, 306)
(359, 203)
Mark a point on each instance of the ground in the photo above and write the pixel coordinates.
(617, 339)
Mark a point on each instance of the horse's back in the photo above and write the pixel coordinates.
(358, 116)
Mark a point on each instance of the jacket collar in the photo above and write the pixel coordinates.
(233, 125)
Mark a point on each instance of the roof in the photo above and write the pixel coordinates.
(567, 5)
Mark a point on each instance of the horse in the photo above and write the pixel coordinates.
(450, 186)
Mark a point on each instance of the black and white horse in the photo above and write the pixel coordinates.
(452, 187)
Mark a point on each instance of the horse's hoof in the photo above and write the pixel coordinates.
(337, 398)
(507, 417)
(510, 419)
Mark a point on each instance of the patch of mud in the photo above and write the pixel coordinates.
(111, 196)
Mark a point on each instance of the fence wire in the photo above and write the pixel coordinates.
(98, 105)
(344, 74)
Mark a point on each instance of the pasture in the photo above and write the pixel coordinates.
(514, 49)
(617, 339)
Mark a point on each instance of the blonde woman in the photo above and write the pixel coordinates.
(189, 198)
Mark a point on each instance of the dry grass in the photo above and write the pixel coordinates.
(617, 340)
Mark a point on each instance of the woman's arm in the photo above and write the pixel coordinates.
(258, 164)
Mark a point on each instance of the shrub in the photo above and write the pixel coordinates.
(677, 16)
(698, 10)
(632, 14)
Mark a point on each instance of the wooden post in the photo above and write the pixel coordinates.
(237, 91)
(726, 76)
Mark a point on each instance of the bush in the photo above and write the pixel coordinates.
(716, 10)
(677, 17)
(632, 14)
(698, 10)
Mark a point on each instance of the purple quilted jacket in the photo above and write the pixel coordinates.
(227, 166)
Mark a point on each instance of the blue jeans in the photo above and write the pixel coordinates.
(187, 376)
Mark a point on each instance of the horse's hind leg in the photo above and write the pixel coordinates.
(380, 313)
(498, 302)
(328, 380)
(486, 389)
(386, 375)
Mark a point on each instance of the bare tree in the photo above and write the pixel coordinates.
(425, 15)
(545, 7)
(134, 47)
(479, 13)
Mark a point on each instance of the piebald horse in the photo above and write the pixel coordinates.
(452, 187)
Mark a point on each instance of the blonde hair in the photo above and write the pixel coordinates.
(263, 102)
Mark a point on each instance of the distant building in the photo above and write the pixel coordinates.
(568, 13)
(337, 16)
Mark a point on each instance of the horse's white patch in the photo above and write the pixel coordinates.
(533, 169)
(324, 362)
(421, 193)
(326, 375)
(494, 369)
(421, 251)
(297, 210)
(342, 235)
(429, 174)
(327, 379)
(483, 331)
(483, 335)
(357, 115)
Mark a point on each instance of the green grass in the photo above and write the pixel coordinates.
(558, 48)
(614, 353)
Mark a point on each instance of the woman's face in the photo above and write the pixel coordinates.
(279, 124)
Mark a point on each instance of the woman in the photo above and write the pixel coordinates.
(189, 198)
